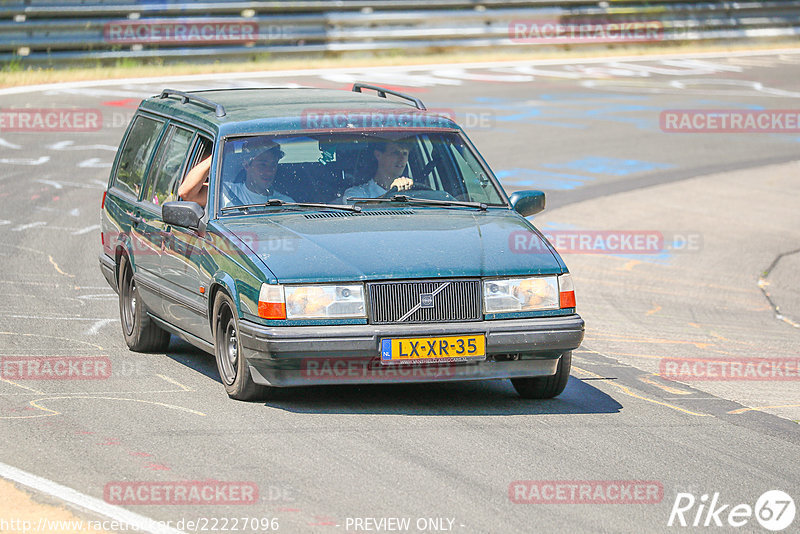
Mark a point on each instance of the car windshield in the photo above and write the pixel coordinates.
(342, 168)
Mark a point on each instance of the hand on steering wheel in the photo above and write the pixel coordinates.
(402, 184)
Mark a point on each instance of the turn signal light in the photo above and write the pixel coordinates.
(271, 302)
(566, 291)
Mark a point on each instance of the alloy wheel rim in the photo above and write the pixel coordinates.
(129, 305)
(228, 349)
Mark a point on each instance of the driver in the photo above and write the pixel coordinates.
(392, 158)
(252, 185)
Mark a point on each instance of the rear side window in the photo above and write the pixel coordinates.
(171, 158)
(136, 154)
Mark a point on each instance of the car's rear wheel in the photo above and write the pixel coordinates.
(545, 387)
(140, 332)
(231, 363)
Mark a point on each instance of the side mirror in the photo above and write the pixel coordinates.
(184, 214)
(526, 202)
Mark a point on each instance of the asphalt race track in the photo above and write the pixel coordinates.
(722, 285)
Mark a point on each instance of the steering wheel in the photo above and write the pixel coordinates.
(416, 187)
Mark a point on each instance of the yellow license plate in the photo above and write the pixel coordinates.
(433, 349)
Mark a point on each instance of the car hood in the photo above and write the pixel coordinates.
(394, 244)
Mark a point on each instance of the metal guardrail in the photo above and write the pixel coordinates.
(36, 31)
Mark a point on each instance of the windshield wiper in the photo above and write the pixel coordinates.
(281, 203)
(405, 198)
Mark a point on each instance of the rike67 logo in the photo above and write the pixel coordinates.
(774, 510)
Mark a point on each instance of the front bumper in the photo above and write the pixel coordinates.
(349, 354)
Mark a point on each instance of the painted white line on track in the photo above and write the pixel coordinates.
(45, 318)
(25, 161)
(52, 183)
(8, 144)
(22, 227)
(70, 145)
(93, 163)
(86, 230)
(137, 522)
(394, 68)
(95, 328)
(77, 184)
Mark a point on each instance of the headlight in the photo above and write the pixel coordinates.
(314, 301)
(520, 294)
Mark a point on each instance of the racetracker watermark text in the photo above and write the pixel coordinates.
(50, 120)
(605, 242)
(55, 367)
(730, 121)
(585, 492)
(554, 31)
(177, 31)
(729, 369)
(206, 492)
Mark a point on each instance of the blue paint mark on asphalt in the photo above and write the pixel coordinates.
(721, 104)
(591, 96)
(553, 181)
(649, 121)
(612, 166)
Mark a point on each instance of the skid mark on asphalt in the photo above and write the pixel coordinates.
(32, 390)
(57, 268)
(655, 309)
(715, 335)
(626, 390)
(761, 408)
(630, 265)
(175, 382)
(35, 403)
(95, 328)
(668, 389)
(650, 340)
(58, 338)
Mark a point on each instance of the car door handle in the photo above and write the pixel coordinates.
(137, 219)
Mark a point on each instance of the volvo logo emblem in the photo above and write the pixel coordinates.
(426, 300)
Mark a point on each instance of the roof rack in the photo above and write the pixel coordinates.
(382, 91)
(219, 111)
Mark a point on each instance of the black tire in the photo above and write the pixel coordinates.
(140, 332)
(232, 366)
(545, 387)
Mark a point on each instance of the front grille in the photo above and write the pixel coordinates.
(411, 302)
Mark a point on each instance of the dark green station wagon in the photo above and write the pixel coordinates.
(309, 236)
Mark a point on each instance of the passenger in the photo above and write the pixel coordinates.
(392, 158)
(250, 186)
(194, 187)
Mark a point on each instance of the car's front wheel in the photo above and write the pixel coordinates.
(231, 363)
(140, 332)
(545, 387)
